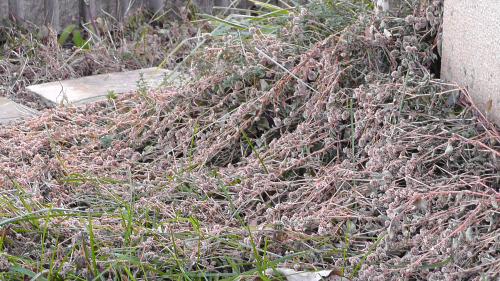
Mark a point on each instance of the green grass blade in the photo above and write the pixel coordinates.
(367, 253)
(44, 235)
(258, 262)
(29, 216)
(20, 189)
(53, 257)
(274, 14)
(130, 275)
(255, 151)
(223, 186)
(232, 264)
(351, 111)
(55, 149)
(34, 276)
(267, 5)
(274, 262)
(404, 94)
(438, 264)
(92, 246)
(192, 142)
(225, 22)
(345, 246)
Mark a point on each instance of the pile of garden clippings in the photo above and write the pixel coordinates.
(359, 159)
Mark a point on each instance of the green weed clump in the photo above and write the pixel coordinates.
(310, 137)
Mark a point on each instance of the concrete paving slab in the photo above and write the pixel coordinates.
(95, 88)
(9, 111)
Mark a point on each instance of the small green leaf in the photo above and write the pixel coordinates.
(65, 33)
(78, 40)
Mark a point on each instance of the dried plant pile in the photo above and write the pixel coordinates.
(294, 147)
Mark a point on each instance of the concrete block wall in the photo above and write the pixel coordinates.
(471, 50)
